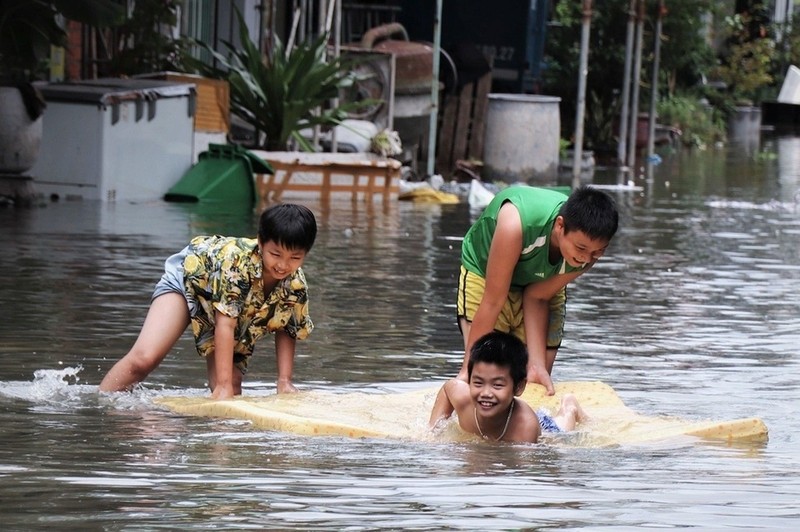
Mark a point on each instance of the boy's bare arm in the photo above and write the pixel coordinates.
(284, 353)
(442, 407)
(451, 397)
(503, 255)
(221, 367)
(535, 318)
(536, 310)
(546, 289)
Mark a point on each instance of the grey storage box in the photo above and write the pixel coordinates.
(114, 139)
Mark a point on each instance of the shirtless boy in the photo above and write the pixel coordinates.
(487, 404)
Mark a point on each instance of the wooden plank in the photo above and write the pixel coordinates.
(462, 122)
(444, 159)
(273, 187)
(315, 188)
(326, 185)
(212, 112)
(478, 125)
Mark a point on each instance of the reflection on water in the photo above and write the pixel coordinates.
(694, 313)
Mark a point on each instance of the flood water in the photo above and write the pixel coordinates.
(694, 312)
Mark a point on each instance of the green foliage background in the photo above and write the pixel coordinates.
(686, 57)
(284, 92)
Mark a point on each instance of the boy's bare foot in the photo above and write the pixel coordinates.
(570, 413)
(571, 403)
(286, 387)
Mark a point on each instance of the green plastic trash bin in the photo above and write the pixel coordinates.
(223, 173)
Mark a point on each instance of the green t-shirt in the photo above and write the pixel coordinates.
(538, 209)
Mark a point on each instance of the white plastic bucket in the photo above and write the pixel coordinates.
(521, 141)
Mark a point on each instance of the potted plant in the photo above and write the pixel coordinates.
(286, 91)
(745, 69)
(28, 28)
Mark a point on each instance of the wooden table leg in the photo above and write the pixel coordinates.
(326, 185)
(281, 187)
(387, 185)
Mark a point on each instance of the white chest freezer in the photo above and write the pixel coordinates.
(114, 139)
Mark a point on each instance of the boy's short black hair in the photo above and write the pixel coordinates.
(502, 349)
(592, 212)
(289, 225)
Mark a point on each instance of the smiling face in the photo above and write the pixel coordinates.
(280, 262)
(491, 389)
(576, 247)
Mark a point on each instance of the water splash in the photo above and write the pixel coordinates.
(48, 386)
(61, 389)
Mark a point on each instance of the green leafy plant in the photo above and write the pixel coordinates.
(699, 123)
(745, 67)
(686, 57)
(787, 49)
(286, 91)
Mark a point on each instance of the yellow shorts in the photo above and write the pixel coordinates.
(470, 292)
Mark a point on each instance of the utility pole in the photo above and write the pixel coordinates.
(626, 86)
(577, 155)
(651, 130)
(437, 46)
(637, 73)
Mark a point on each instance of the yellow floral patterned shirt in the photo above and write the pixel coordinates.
(225, 274)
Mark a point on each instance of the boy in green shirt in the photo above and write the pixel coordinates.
(516, 261)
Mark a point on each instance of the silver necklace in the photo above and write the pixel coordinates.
(505, 428)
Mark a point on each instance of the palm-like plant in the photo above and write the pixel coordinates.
(286, 91)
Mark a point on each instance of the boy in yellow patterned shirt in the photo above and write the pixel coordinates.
(232, 291)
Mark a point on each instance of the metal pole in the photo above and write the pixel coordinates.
(637, 72)
(322, 17)
(582, 73)
(337, 51)
(626, 86)
(651, 130)
(437, 45)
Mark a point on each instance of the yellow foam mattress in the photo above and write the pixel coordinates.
(405, 415)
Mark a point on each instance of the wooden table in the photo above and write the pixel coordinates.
(323, 175)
